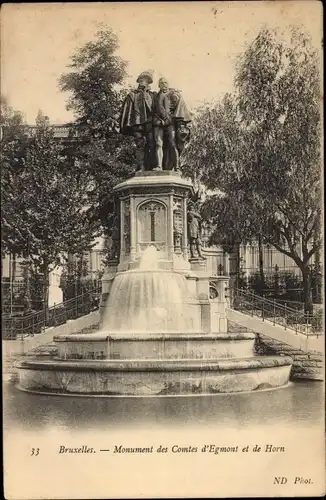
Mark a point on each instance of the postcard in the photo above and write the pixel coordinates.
(162, 263)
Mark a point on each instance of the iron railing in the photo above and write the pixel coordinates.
(12, 309)
(292, 304)
(14, 327)
(278, 314)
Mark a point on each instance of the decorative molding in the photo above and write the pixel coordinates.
(161, 189)
(153, 205)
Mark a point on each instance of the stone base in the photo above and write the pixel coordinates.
(177, 263)
(198, 264)
(156, 346)
(306, 365)
(156, 172)
(180, 263)
(154, 378)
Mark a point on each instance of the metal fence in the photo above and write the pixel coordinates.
(280, 314)
(18, 326)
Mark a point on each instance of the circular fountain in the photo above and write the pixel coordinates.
(150, 343)
(160, 334)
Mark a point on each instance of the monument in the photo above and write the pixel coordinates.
(137, 120)
(158, 121)
(160, 332)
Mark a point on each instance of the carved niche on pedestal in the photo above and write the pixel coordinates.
(178, 226)
(152, 225)
(126, 227)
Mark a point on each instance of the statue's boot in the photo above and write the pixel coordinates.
(159, 158)
(140, 153)
(200, 255)
(192, 253)
(140, 159)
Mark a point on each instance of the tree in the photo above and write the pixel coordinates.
(214, 158)
(232, 224)
(95, 83)
(92, 82)
(14, 141)
(265, 154)
(49, 206)
(284, 143)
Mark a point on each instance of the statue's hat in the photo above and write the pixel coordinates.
(146, 74)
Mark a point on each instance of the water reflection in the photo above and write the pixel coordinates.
(298, 403)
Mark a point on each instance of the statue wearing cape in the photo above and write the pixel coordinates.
(171, 117)
(136, 120)
(137, 111)
(158, 122)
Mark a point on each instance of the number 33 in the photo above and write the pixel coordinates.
(35, 451)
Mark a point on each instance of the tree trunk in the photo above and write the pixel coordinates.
(45, 271)
(237, 263)
(307, 290)
(234, 271)
(27, 299)
(303, 264)
(14, 267)
(261, 265)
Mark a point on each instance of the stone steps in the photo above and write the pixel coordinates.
(305, 350)
(41, 351)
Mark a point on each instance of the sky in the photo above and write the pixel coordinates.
(193, 44)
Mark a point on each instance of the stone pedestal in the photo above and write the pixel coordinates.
(198, 265)
(153, 211)
(222, 287)
(219, 305)
(109, 274)
(55, 292)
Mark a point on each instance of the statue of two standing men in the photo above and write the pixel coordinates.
(158, 122)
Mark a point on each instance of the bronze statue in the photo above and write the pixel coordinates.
(114, 244)
(170, 130)
(194, 232)
(137, 120)
(158, 122)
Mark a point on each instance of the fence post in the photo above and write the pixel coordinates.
(76, 307)
(274, 311)
(22, 343)
(263, 310)
(307, 323)
(44, 315)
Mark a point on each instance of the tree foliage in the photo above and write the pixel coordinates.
(13, 150)
(95, 72)
(95, 84)
(261, 148)
(55, 199)
(45, 213)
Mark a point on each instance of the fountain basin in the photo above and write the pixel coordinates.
(154, 377)
(140, 345)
